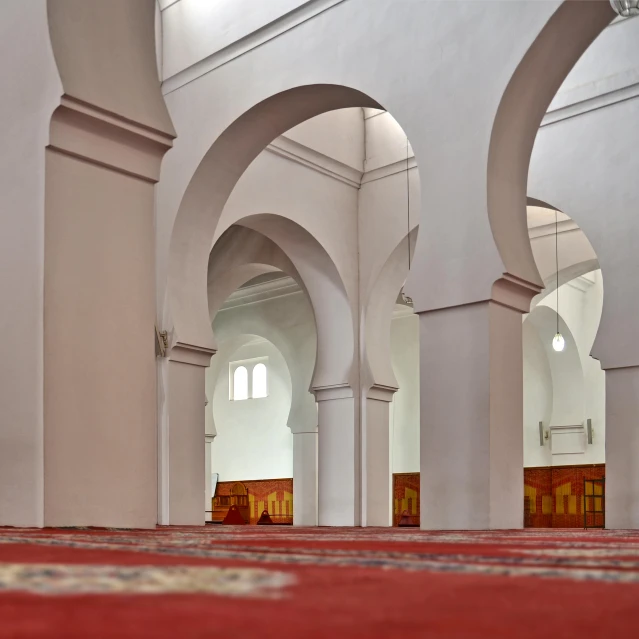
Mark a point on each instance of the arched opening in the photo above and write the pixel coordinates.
(316, 238)
(391, 363)
(225, 162)
(266, 297)
(564, 392)
(251, 443)
(522, 107)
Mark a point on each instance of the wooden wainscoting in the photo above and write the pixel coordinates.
(274, 495)
(553, 495)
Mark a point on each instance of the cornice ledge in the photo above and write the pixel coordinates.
(381, 392)
(583, 102)
(191, 354)
(334, 391)
(260, 36)
(386, 170)
(514, 292)
(324, 164)
(104, 138)
(549, 229)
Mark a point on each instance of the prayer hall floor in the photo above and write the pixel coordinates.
(282, 582)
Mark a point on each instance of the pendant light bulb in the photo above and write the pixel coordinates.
(558, 342)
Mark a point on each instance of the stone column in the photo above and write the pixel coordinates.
(622, 448)
(182, 456)
(100, 429)
(338, 457)
(305, 478)
(208, 492)
(376, 471)
(471, 378)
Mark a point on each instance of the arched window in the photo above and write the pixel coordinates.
(240, 383)
(259, 381)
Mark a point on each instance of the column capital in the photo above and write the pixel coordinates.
(515, 293)
(381, 392)
(508, 291)
(334, 391)
(191, 354)
(101, 137)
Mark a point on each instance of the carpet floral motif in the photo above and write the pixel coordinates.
(606, 556)
(64, 579)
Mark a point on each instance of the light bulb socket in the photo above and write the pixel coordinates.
(626, 8)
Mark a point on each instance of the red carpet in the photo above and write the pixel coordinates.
(237, 582)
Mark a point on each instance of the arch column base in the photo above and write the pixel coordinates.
(471, 432)
(376, 478)
(305, 478)
(182, 457)
(338, 457)
(622, 448)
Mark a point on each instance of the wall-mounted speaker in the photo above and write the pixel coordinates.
(589, 429)
(541, 433)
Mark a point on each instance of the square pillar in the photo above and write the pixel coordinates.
(208, 488)
(182, 455)
(338, 457)
(376, 476)
(622, 448)
(305, 479)
(471, 451)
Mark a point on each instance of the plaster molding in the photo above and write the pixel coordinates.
(581, 283)
(303, 430)
(165, 4)
(208, 438)
(387, 170)
(545, 230)
(260, 36)
(402, 310)
(304, 155)
(100, 137)
(335, 391)
(190, 354)
(281, 287)
(381, 392)
(591, 97)
(515, 293)
(369, 112)
(326, 165)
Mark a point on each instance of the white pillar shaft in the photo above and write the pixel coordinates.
(338, 463)
(208, 493)
(377, 476)
(305, 479)
(622, 448)
(471, 418)
(186, 458)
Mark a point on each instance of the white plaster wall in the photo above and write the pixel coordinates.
(31, 90)
(538, 397)
(580, 305)
(337, 134)
(253, 440)
(195, 29)
(609, 64)
(385, 140)
(383, 221)
(288, 323)
(325, 207)
(404, 409)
